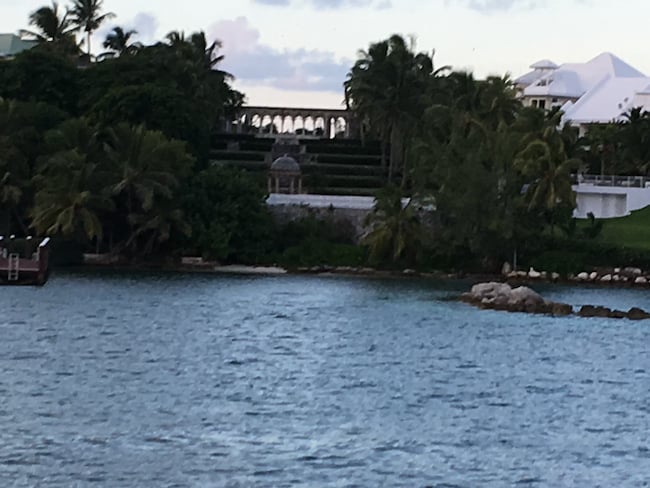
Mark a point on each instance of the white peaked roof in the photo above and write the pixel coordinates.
(540, 68)
(572, 80)
(601, 90)
(609, 100)
(544, 64)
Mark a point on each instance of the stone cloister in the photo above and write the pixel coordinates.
(317, 122)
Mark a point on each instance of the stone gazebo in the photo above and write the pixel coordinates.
(285, 176)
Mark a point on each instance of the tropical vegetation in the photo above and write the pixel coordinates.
(116, 156)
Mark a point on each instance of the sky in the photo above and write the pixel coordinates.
(297, 52)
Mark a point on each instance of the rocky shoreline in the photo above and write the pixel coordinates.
(602, 276)
(501, 296)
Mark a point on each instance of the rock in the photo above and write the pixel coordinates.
(534, 274)
(490, 290)
(522, 274)
(560, 309)
(500, 296)
(632, 271)
(555, 276)
(523, 299)
(409, 272)
(641, 280)
(637, 314)
(593, 276)
(606, 278)
(616, 278)
(506, 269)
(617, 270)
(592, 311)
(583, 276)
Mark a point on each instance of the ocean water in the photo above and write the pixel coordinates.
(172, 380)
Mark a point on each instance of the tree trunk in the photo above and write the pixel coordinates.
(383, 153)
(20, 222)
(404, 166)
(88, 40)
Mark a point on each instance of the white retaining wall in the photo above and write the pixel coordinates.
(607, 202)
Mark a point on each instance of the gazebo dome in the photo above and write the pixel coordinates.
(285, 164)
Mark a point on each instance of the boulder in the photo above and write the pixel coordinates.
(560, 309)
(637, 314)
(583, 276)
(506, 269)
(534, 274)
(592, 311)
(617, 270)
(593, 276)
(607, 278)
(500, 296)
(490, 290)
(633, 271)
(524, 296)
(641, 280)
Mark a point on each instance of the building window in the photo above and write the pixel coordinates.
(542, 104)
(534, 103)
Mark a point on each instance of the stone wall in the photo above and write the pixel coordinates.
(352, 218)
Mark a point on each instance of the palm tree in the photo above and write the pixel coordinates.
(88, 17)
(157, 227)
(395, 229)
(14, 168)
(387, 89)
(548, 169)
(69, 197)
(118, 40)
(147, 168)
(72, 189)
(52, 27)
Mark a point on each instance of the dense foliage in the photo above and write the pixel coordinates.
(498, 174)
(113, 154)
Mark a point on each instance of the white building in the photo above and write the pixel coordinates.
(599, 91)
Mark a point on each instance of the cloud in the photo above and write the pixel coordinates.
(492, 6)
(329, 4)
(501, 5)
(147, 26)
(251, 61)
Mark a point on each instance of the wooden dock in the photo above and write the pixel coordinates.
(24, 261)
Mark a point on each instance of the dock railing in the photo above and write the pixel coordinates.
(612, 180)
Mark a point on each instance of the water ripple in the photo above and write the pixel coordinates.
(175, 380)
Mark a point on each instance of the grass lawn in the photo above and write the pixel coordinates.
(632, 231)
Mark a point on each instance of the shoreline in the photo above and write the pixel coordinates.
(351, 272)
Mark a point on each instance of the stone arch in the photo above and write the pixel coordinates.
(277, 123)
(267, 124)
(319, 125)
(299, 125)
(309, 125)
(341, 128)
(256, 122)
(287, 124)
